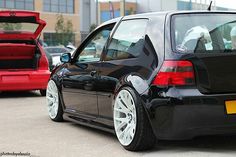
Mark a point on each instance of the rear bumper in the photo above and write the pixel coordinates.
(190, 116)
(24, 80)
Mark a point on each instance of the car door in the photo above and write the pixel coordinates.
(82, 74)
(123, 56)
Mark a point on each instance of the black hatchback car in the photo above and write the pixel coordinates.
(167, 75)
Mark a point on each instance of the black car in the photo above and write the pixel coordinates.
(167, 75)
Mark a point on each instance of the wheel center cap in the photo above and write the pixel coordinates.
(130, 117)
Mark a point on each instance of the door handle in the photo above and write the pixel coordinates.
(92, 73)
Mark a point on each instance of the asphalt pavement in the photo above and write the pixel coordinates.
(26, 128)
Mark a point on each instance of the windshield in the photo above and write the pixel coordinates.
(18, 27)
(201, 33)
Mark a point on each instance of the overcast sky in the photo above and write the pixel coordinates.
(226, 3)
(220, 3)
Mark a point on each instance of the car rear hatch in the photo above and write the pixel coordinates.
(207, 41)
(18, 47)
(20, 25)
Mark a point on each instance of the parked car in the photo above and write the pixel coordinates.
(152, 80)
(50, 61)
(23, 63)
(56, 52)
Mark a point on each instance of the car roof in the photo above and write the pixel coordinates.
(164, 13)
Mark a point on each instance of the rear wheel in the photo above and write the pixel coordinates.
(55, 110)
(131, 124)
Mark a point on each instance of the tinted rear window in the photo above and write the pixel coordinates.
(201, 33)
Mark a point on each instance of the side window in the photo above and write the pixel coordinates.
(128, 40)
(93, 49)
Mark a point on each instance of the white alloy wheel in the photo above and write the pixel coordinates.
(125, 119)
(52, 99)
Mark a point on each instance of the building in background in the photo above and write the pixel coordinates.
(110, 9)
(144, 6)
(87, 13)
(95, 12)
(88, 16)
(164, 5)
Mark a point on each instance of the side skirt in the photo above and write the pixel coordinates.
(89, 123)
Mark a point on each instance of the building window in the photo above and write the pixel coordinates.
(52, 39)
(59, 6)
(17, 4)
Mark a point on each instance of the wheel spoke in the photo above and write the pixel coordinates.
(128, 136)
(53, 111)
(121, 125)
(55, 108)
(124, 100)
(123, 134)
(123, 106)
(49, 92)
(129, 104)
(120, 110)
(122, 120)
(132, 130)
(50, 98)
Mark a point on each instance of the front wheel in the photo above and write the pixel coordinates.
(131, 123)
(55, 110)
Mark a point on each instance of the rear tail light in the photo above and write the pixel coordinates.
(175, 73)
(43, 63)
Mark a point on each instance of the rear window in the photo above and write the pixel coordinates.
(203, 33)
(18, 27)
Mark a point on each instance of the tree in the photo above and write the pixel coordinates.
(10, 26)
(92, 27)
(64, 31)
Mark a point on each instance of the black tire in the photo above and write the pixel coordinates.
(59, 114)
(144, 137)
(42, 92)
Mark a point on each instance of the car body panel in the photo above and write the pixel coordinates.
(23, 80)
(77, 84)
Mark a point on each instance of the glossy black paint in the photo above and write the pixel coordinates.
(87, 90)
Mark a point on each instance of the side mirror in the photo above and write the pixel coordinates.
(65, 57)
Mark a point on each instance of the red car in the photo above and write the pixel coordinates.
(23, 62)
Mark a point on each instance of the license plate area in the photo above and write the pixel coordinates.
(230, 106)
(16, 79)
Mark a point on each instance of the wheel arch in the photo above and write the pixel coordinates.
(144, 117)
(140, 86)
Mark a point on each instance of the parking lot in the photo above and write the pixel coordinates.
(25, 127)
